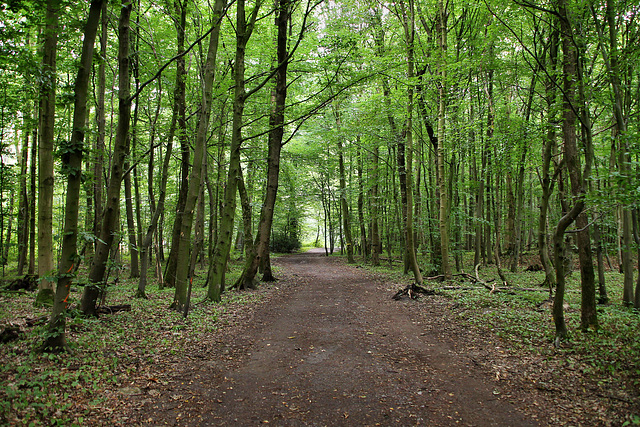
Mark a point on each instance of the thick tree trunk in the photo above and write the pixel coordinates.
(572, 164)
(121, 151)
(55, 340)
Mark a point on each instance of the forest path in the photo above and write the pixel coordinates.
(334, 349)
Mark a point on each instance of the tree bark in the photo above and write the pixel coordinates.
(55, 340)
(23, 197)
(547, 180)
(181, 104)
(98, 168)
(572, 164)
(344, 204)
(442, 91)
(45, 155)
(120, 153)
(364, 245)
(199, 152)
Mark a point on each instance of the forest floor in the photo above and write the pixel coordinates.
(330, 347)
(325, 345)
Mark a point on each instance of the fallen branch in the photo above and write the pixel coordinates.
(37, 321)
(491, 288)
(111, 309)
(464, 275)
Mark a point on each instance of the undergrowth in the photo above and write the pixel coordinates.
(108, 352)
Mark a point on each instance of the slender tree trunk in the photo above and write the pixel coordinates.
(120, 153)
(131, 227)
(623, 149)
(98, 168)
(547, 181)
(374, 209)
(276, 122)
(247, 214)
(344, 204)
(405, 154)
(181, 104)
(572, 164)
(45, 155)
(442, 91)
(23, 197)
(364, 244)
(32, 197)
(195, 177)
(55, 339)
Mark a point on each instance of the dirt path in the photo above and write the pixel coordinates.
(332, 349)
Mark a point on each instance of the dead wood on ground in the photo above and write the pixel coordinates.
(412, 291)
(111, 309)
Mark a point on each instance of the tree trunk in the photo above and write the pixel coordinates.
(376, 248)
(344, 204)
(199, 152)
(572, 164)
(623, 148)
(23, 197)
(364, 244)
(131, 227)
(98, 168)
(181, 104)
(45, 155)
(55, 340)
(442, 91)
(146, 242)
(120, 153)
(276, 123)
(549, 148)
(32, 197)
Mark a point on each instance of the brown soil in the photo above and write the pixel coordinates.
(330, 347)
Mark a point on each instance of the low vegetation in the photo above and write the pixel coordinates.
(109, 352)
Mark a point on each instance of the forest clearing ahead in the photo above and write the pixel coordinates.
(325, 345)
